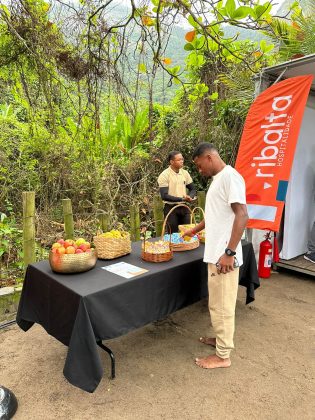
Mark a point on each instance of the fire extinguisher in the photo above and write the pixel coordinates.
(265, 257)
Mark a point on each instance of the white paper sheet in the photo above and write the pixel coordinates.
(125, 270)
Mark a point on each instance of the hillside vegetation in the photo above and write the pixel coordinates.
(91, 103)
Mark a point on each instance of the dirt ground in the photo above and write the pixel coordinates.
(271, 377)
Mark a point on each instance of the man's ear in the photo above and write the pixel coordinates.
(209, 157)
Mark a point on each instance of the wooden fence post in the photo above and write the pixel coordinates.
(158, 214)
(68, 218)
(104, 222)
(201, 199)
(28, 199)
(134, 223)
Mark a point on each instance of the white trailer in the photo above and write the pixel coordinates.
(299, 212)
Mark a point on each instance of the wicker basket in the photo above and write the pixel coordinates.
(155, 257)
(184, 246)
(72, 263)
(110, 248)
(150, 257)
(202, 233)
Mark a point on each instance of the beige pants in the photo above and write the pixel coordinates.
(222, 301)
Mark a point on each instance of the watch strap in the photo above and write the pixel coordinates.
(229, 252)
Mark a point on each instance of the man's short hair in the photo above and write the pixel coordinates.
(172, 155)
(202, 148)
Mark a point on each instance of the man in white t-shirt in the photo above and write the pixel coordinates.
(225, 220)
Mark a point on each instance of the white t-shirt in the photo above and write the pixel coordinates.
(227, 187)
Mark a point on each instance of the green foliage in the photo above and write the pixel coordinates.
(230, 10)
(11, 249)
(17, 166)
(297, 36)
(77, 111)
(124, 132)
(10, 242)
(198, 92)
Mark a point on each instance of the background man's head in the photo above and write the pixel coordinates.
(207, 159)
(176, 160)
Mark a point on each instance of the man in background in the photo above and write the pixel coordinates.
(176, 187)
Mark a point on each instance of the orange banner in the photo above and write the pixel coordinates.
(267, 149)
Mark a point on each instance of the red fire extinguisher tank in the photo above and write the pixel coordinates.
(265, 258)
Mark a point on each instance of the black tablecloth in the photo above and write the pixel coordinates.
(80, 309)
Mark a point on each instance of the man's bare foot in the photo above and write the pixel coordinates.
(213, 362)
(211, 341)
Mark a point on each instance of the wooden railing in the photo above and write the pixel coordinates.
(103, 218)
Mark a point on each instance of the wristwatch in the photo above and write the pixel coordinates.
(229, 252)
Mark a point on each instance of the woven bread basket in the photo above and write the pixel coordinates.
(110, 248)
(73, 263)
(202, 233)
(184, 246)
(153, 256)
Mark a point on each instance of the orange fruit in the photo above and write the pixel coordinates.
(70, 250)
(68, 242)
(83, 247)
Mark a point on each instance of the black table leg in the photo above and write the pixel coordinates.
(111, 354)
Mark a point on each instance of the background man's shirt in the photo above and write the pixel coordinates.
(176, 182)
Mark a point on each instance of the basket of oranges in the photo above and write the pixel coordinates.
(72, 256)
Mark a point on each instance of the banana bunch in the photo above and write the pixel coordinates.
(117, 234)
